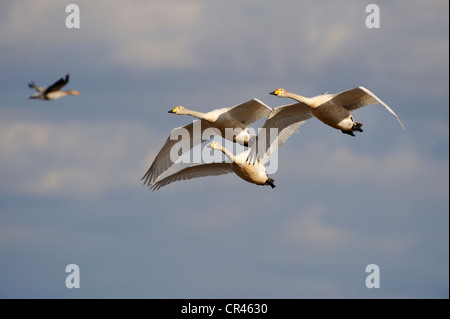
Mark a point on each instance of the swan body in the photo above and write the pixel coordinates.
(334, 109)
(52, 92)
(237, 118)
(252, 173)
(221, 120)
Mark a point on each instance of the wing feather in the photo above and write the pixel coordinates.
(250, 111)
(212, 169)
(167, 156)
(58, 85)
(40, 89)
(285, 120)
(358, 97)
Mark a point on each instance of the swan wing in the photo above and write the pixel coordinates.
(58, 85)
(164, 160)
(212, 169)
(286, 120)
(250, 111)
(353, 99)
(40, 89)
(359, 97)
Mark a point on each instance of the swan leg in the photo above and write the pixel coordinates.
(348, 132)
(270, 182)
(357, 127)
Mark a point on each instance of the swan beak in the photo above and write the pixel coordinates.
(174, 110)
(171, 111)
(275, 92)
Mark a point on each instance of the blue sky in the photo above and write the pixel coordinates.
(70, 169)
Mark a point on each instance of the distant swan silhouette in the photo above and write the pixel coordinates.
(52, 92)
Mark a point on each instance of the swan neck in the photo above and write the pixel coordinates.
(196, 114)
(298, 97)
(228, 154)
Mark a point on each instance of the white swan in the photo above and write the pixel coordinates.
(252, 173)
(334, 109)
(52, 92)
(237, 118)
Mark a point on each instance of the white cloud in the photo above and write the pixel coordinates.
(247, 36)
(308, 229)
(320, 161)
(148, 34)
(75, 159)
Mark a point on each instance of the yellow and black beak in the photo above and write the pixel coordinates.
(276, 92)
(174, 110)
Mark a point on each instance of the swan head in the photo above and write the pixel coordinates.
(215, 146)
(178, 110)
(73, 92)
(279, 92)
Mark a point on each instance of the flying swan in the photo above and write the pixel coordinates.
(334, 109)
(52, 92)
(252, 173)
(237, 118)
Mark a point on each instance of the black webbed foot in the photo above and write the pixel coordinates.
(348, 132)
(357, 127)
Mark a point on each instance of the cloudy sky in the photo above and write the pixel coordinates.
(70, 169)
